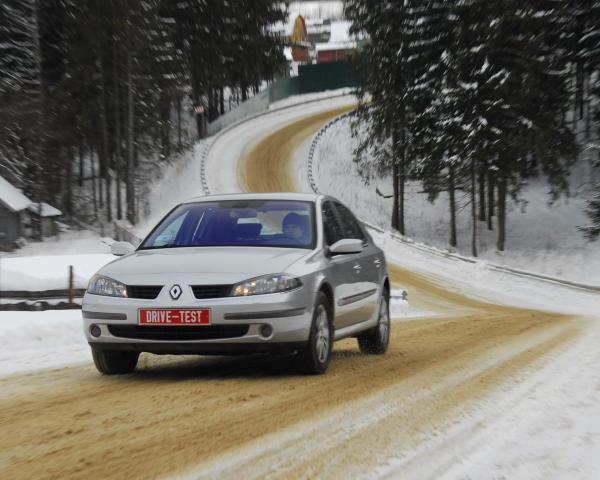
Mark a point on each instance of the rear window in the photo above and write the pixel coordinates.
(255, 223)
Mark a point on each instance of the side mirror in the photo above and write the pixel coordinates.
(346, 245)
(121, 248)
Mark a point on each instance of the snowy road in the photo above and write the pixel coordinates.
(491, 386)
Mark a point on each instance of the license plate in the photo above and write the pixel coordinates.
(174, 316)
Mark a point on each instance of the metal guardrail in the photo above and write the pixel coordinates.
(203, 157)
(315, 142)
(426, 248)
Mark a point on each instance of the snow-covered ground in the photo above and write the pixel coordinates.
(41, 340)
(45, 265)
(541, 238)
(544, 426)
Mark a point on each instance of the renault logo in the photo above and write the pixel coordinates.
(175, 292)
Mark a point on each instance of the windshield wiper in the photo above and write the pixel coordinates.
(156, 247)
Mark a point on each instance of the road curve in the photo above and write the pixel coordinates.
(254, 417)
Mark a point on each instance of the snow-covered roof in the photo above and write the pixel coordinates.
(335, 46)
(340, 32)
(284, 28)
(340, 38)
(47, 210)
(12, 197)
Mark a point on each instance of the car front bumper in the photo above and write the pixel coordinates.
(288, 314)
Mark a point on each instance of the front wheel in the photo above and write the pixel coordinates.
(376, 340)
(315, 358)
(110, 362)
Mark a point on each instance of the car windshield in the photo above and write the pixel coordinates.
(255, 223)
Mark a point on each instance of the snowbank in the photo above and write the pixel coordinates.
(49, 272)
(36, 340)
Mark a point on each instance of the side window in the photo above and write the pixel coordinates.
(331, 226)
(350, 226)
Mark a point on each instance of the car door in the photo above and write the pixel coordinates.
(366, 266)
(342, 269)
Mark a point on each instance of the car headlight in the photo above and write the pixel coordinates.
(266, 284)
(100, 285)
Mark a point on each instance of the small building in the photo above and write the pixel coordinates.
(298, 41)
(13, 205)
(46, 216)
(340, 46)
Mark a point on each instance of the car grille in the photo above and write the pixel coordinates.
(211, 291)
(146, 292)
(175, 333)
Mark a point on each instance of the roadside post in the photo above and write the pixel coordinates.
(70, 284)
(1, 255)
(2, 236)
(200, 121)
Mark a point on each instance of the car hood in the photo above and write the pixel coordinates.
(201, 265)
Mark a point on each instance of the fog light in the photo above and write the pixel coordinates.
(95, 331)
(266, 330)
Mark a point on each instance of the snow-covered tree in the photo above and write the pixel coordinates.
(592, 231)
(478, 87)
(20, 87)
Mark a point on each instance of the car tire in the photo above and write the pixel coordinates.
(110, 362)
(376, 340)
(315, 358)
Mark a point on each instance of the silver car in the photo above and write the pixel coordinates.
(239, 274)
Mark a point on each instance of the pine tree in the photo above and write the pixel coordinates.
(21, 93)
(592, 231)
(385, 77)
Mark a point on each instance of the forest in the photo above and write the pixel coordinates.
(479, 96)
(96, 93)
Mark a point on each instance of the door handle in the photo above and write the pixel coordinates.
(357, 267)
(377, 262)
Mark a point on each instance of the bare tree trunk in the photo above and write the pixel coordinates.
(452, 196)
(179, 145)
(80, 162)
(481, 178)
(130, 147)
(473, 209)
(501, 243)
(104, 148)
(401, 181)
(94, 194)
(490, 199)
(165, 116)
(588, 106)
(118, 146)
(98, 177)
(222, 101)
(579, 89)
(399, 154)
(395, 216)
(71, 155)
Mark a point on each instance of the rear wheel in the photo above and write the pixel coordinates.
(376, 340)
(315, 358)
(110, 362)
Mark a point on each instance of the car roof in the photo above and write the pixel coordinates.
(305, 197)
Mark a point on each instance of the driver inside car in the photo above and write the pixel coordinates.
(295, 226)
